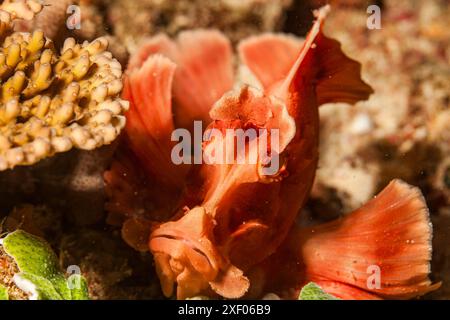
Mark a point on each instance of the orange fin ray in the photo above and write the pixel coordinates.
(159, 44)
(275, 50)
(150, 120)
(133, 199)
(204, 60)
(205, 72)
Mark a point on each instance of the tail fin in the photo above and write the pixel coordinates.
(389, 237)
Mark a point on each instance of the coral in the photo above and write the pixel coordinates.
(52, 102)
(93, 25)
(21, 9)
(60, 112)
(92, 20)
(57, 24)
(49, 20)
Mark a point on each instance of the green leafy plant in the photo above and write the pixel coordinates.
(313, 292)
(40, 275)
(3, 293)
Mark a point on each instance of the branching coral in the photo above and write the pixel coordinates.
(21, 9)
(50, 19)
(53, 102)
(58, 22)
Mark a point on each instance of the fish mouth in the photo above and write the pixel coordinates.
(182, 266)
(188, 244)
(185, 254)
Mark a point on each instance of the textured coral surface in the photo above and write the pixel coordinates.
(51, 102)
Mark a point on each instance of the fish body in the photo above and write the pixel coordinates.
(229, 227)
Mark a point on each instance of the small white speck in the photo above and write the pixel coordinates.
(362, 124)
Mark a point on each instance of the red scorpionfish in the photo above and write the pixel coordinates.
(229, 230)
